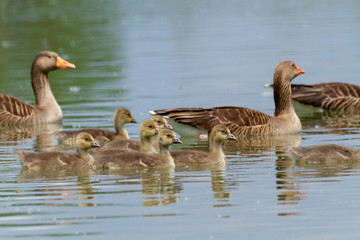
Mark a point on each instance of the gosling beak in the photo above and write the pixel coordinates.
(62, 63)
(168, 126)
(94, 144)
(231, 137)
(177, 140)
(133, 120)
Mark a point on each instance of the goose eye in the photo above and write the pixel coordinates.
(86, 139)
(169, 136)
(159, 122)
(150, 126)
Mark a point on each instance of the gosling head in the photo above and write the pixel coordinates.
(122, 116)
(220, 133)
(85, 141)
(167, 137)
(148, 128)
(161, 122)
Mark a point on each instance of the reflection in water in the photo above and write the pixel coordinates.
(327, 122)
(12, 135)
(326, 169)
(289, 190)
(221, 183)
(262, 144)
(82, 190)
(221, 188)
(159, 188)
(291, 175)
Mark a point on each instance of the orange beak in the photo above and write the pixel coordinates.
(62, 63)
(299, 71)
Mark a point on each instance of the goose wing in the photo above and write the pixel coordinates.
(238, 119)
(330, 96)
(14, 110)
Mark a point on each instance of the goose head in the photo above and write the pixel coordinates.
(167, 137)
(47, 61)
(148, 129)
(85, 141)
(220, 133)
(122, 116)
(287, 70)
(161, 122)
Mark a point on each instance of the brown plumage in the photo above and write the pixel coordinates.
(61, 160)
(244, 121)
(124, 160)
(323, 153)
(148, 129)
(218, 135)
(46, 109)
(102, 136)
(329, 96)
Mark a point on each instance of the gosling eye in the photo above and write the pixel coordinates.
(169, 136)
(159, 122)
(86, 139)
(49, 56)
(150, 126)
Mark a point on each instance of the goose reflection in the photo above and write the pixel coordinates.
(290, 174)
(81, 189)
(327, 122)
(222, 184)
(261, 145)
(289, 191)
(158, 185)
(14, 135)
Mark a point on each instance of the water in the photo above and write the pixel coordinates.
(164, 54)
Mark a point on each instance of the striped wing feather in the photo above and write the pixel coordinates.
(14, 110)
(238, 119)
(330, 96)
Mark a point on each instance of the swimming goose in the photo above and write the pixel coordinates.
(148, 129)
(15, 111)
(244, 121)
(61, 160)
(323, 153)
(218, 135)
(123, 160)
(329, 96)
(121, 117)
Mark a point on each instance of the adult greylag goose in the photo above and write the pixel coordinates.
(323, 153)
(329, 96)
(218, 135)
(46, 109)
(122, 116)
(61, 160)
(244, 121)
(148, 129)
(124, 160)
